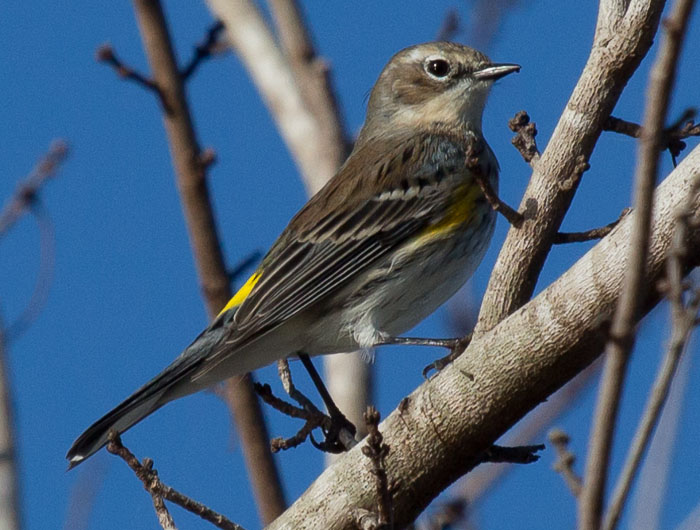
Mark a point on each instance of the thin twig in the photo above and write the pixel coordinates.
(683, 321)
(588, 235)
(514, 218)
(523, 454)
(106, 54)
(472, 156)
(153, 485)
(28, 190)
(622, 332)
(44, 278)
(673, 135)
(191, 165)
(524, 139)
(564, 464)
(204, 50)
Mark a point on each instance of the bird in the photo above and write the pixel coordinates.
(395, 233)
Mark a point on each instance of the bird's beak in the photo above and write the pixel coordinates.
(496, 71)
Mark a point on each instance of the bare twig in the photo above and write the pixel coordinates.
(376, 450)
(595, 233)
(204, 50)
(524, 454)
(312, 417)
(565, 460)
(476, 484)
(683, 322)
(514, 218)
(524, 139)
(153, 485)
(190, 168)
(337, 440)
(673, 135)
(28, 190)
(44, 278)
(472, 155)
(622, 330)
(106, 54)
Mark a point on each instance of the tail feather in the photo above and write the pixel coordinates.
(132, 410)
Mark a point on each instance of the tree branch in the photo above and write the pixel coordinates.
(622, 331)
(204, 50)
(540, 347)
(621, 42)
(565, 460)
(159, 491)
(190, 168)
(683, 322)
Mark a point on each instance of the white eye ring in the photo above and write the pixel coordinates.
(437, 67)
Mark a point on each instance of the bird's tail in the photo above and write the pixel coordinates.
(157, 392)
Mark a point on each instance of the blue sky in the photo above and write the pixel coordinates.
(124, 300)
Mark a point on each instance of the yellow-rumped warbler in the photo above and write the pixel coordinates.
(401, 227)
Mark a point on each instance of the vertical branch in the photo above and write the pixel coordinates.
(622, 332)
(9, 479)
(190, 169)
(24, 200)
(348, 377)
(682, 324)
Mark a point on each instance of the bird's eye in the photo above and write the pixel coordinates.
(437, 67)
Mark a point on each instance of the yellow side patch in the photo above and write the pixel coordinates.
(241, 294)
(459, 212)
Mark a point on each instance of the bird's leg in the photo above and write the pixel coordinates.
(456, 347)
(341, 435)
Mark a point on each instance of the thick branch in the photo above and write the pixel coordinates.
(450, 420)
(621, 42)
(190, 169)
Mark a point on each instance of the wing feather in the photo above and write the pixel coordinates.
(311, 260)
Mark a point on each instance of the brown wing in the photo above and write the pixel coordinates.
(347, 226)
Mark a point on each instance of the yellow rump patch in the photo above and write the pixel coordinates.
(241, 294)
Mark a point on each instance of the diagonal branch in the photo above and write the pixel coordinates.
(539, 348)
(159, 491)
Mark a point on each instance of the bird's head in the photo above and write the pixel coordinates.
(436, 82)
